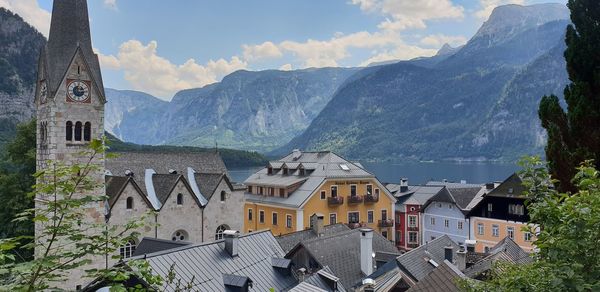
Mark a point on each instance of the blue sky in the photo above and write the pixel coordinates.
(161, 47)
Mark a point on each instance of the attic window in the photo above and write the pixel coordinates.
(180, 199)
(129, 203)
(344, 167)
(302, 172)
(285, 171)
(269, 170)
(510, 190)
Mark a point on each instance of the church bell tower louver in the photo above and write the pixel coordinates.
(70, 102)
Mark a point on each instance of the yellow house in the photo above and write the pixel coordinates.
(282, 196)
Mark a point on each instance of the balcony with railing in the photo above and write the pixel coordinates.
(356, 225)
(335, 201)
(386, 223)
(355, 200)
(371, 199)
(413, 228)
(412, 245)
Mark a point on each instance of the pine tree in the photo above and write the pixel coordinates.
(574, 136)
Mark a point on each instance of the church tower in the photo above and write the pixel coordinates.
(70, 100)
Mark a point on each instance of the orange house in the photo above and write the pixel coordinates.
(502, 213)
(282, 196)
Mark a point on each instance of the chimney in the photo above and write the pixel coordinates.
(470, 245)
(369, 285)
(316, 222)
(301, 274)
(445, 181)
(489, 186)
(366, 251)
(231, 242)
(403, 185)
(464, 182)
(448, 253)
(296, 154)
(461, 258)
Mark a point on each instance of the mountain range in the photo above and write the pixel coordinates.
(474, 102)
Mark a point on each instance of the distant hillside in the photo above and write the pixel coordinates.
(232, 158)
(20, 45)
(477, 103)
(247, 110)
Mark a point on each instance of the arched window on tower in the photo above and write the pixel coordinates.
(69, 131)
(87, 132)
(78, 129)
(129, 203)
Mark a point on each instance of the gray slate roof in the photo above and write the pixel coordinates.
(114, 187)
(289, 241)
(150, 245)
(513, 182)
(443, 278)
(138, 162)
(417, 195)
(70, 29)
(307, 287)
(341, 253)
(416, 261)
(465, 196)
(327, 165)
(506, 250)
(209, 262)
(319, 281)
(164, 185)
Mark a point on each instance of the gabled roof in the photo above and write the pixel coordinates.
(163, 162)
(417, 261)
(461, 197)
(207, 263)
(115, 185)
(321, 280)
(290, 240)
(443, 278)
(70, 32)
(208, 183)
(164, 184)
(512, 183)
(506, 250)
(150, 245)
(327, 165)
(307, 287)
(341, 253)
(416, 195)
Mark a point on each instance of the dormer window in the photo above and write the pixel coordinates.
(285, 171)
(302, 172)
(270, 170)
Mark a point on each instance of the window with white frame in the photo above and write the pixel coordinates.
(249, 214)
(516, 209)
(412, 221)
(288, 221)
(490, 207)
(370, 216)
(510, 231)
(128, 249)
(323, 195)
(460, 225)
(432, 220)
(332, 218)
(274, 218)
(220, 230)
(495, 230)
(480, 229)
(527, 236)
(261, 216)
(413, 237)
(446, 223)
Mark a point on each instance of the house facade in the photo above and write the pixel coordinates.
(409, 208)
(446, 213)
(502, 213)
(282, 196)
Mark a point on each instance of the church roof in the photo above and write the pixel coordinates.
(163, 162)
(70, 31)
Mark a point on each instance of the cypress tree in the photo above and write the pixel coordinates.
(574, 135)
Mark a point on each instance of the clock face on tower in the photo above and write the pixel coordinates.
(78, 91)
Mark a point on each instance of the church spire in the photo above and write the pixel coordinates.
(70, 30)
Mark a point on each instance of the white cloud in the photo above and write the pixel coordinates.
(112, 4)
(286, 67)
(31, 12)
(145, 70)
(401, 52)
(487, 6)
(407, 14)
(438, 40)
(266, 50)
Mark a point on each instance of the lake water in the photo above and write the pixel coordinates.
(422, 172)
